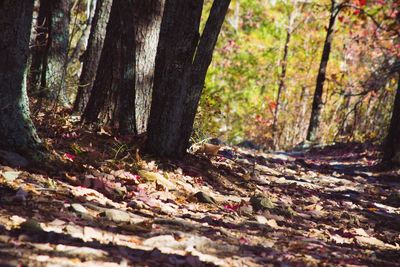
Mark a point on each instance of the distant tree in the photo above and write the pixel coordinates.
(17, 131)
(284, 61)
(82, 43)
(91, 56)
(49, 61)
(181, 66)
(121, 92)
(317, 103)
(391, 153)
(39, 45)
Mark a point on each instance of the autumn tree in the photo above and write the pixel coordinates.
(91, 56)
(317, 103)
(183, 58)
(123, 86)
(17, 131)
(284, 61)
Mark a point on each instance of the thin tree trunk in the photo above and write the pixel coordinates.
(317, 100)
(181, 67)
(91, 56)
(83, 40)
(17, 131)
(391, 152)
(39, 47)
(281, 87)
(35, 16)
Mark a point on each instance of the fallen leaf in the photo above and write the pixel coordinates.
(69, 156)
(158, 178)
(10, 175)
(143, 227)
(368, 240)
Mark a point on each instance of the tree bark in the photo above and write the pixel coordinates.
(17, 131)
(317, 100)
(91, 56)
(39, 47)
(391, 153)
(122, 90)
(201, 62)
(49, 58)
(84, 39)
(55, 60)
(147, 16)
(113, 94)
(181, 66)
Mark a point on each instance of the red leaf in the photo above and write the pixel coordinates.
(244, 241)
(360, 3)
(69, 156)
(272, 105)
(231, 207)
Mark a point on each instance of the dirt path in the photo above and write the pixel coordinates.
(238, 208)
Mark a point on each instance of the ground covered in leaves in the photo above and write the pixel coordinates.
(229, 206)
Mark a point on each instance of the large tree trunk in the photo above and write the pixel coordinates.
(91, 56)
(122, 90)
(148, 15)
(181, 66)
(317, 100)
(391, 153)
(17, 131)
(113, 94)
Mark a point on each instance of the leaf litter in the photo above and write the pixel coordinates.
(227, 207)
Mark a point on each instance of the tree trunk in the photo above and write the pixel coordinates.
(148, 16)
(91, 56)
(39, 47)
(122, 90)
(201, 62)
(83, 40)
(49, 58)
(317, 101)
(181, 66)
(17, 131)
(281, 87)
(112, 98)
(391, 153)
(55, 59)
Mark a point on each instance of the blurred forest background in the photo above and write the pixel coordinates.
(261, 38)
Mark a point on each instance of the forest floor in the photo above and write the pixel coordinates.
(115, 207)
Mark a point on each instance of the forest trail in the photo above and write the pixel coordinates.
(237, 208)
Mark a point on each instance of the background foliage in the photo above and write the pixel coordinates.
(241, 89)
